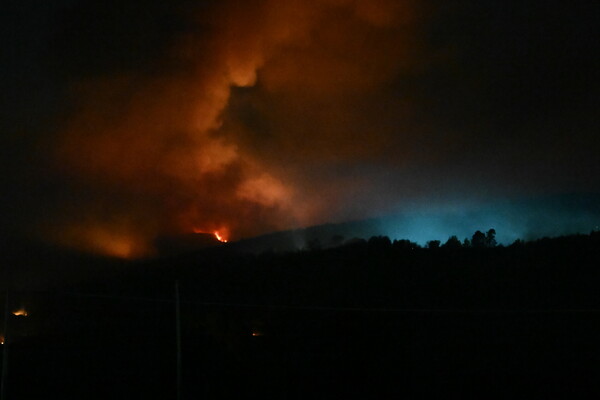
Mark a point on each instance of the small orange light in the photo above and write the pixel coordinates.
(20, 312)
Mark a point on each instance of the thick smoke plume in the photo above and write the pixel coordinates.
(125, 124)
(223, 136)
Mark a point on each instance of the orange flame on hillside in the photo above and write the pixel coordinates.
(220, 236)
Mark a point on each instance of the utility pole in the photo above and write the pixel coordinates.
(177, 339)
(5, 350)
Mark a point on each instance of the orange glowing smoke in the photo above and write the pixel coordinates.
(114, 239)
(153, 153)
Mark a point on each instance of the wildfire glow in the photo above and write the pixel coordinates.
(162, 150)
(220, 236)
(20, 312)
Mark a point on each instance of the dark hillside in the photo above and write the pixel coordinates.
(367, 318)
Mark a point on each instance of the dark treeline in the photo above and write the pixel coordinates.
(365, 317)
(477, 273)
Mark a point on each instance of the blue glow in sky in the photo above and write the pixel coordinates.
(552, 216)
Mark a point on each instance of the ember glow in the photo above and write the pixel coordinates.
(21, 312)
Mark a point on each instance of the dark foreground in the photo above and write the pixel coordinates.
(368, 320)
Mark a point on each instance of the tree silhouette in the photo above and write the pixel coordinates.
(380, 242)
(478, 240)
(518, 243)
(490, 238)
(452, 243)
(433, 244)
(404, 244)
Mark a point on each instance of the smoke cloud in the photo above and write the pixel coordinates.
(245, 117)
(174, 152)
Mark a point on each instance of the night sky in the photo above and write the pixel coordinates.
(123, 121)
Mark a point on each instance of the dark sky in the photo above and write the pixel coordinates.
(125, 120)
